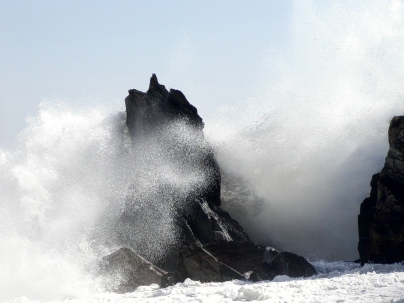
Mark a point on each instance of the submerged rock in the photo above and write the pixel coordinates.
(209, 245)
(381, 218)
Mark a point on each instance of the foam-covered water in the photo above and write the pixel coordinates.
(337, 282)
(297, 159)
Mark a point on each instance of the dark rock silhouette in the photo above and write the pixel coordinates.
(148, 115)
(381, 218)
(210, 246)
(253, 260)
(147, 112)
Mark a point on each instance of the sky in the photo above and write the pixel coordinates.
(89, 53)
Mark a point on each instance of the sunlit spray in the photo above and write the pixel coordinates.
(80, 188)
(308, 141)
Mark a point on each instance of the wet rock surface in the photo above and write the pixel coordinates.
(211, 246)
(381, 218)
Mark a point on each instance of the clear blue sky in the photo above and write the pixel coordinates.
(92, 52)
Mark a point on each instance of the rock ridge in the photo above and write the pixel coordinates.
(381, 218)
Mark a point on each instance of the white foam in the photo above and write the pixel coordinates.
(372, 283)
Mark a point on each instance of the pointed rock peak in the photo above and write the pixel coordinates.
(154, 83)
(156, 87)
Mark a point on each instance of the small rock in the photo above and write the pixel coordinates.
(124, 270)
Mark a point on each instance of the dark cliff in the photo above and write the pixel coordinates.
(381, 218)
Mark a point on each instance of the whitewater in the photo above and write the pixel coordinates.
(337, 282)
(297, 159)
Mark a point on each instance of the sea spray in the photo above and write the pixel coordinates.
(79, 187)
(170, 171)
(48, 204)
(315, 129)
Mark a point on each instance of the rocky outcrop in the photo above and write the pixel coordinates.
(204, 226)
(124, 271)
(260, 263)
(150, 114)
(381, 218)
(197, 263)
(210, 246)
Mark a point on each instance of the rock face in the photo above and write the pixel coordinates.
(152, 110)
(381, 218)
(210, 246)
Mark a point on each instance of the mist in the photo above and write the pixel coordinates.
(79, 188)
(307, 142)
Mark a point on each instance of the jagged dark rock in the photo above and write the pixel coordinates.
(292, 265)
(210, 246)
(206, 224)
(381, 218)
(366, 217)
(124, 270)
(149, 114)
(245, 257)
(150, 111)
(282, 263)
(212, 224)
(199, 264)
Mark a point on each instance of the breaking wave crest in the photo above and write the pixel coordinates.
(65, 190)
